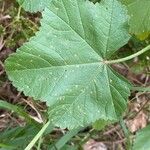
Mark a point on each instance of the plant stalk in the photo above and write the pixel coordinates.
(18, 14)
(129, 57)
(37, 137)
(127, 134)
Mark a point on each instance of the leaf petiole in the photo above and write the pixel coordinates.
(129, 57)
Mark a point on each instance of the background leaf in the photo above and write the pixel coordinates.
(64, 63)
(20, 137)
(100, 124)
(142, 139)
(139, 17)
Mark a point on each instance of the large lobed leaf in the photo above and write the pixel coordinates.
(34, 5)
(64, 64)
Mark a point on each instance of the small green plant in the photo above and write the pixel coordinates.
(68, 63)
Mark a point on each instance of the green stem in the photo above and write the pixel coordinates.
(127, 134)
(129, 57)
(31, 144)
(18, 14)
(141, 89)
(39, 143)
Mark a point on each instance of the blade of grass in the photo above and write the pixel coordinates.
(19, 111)
(2, 145)
(142, 89)
(60, 143)
(37, 137)
(39, 143)
(20, 136)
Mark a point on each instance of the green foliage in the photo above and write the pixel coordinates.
(1, 29)
(142, 139)
(140, 22)
(64, 63)
(17, 138)
(100, 124)
(139, 17)
(15, 32)
(34, 5)
(61, 143)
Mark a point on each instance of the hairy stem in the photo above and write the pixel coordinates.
(129, 57)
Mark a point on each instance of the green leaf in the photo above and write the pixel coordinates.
(100, 124)
(142, 139)
(139, 17)
(34, 5)
(17, 138)
(64, 64)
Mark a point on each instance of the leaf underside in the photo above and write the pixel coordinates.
(63, 64)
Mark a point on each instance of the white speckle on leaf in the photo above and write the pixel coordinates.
(76, 86)
(94, 80)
